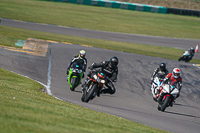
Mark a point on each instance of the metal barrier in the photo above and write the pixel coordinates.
(134, 6)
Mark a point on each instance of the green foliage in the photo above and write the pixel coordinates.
(26, 109)
(101, 18)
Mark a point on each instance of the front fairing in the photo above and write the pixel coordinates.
(158, 81)
(99, 77)
(75, 71)
(169, 89)
(77, 68)
(186, 53)
(166, 88)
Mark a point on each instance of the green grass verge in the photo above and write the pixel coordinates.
(26, 109)
(10, 35)
(101, 18)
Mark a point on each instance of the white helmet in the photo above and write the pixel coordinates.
(176, 73)
(82, 54)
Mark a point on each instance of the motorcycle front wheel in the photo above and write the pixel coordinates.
(165, 104)
(74, 82)
(90, 93)
(181, 58)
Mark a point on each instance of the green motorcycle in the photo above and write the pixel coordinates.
(75, 75)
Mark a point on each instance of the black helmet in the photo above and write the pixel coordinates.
(162, 66)
(114, 61)
(192, 49)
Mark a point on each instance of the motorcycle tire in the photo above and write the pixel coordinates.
(181, 58)
(89, 94)
(159, 107)
(83, 96)
(74, 82)
(165, 104)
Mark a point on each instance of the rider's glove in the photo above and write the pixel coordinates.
(151, 82)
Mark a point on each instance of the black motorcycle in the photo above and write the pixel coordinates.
(94, 85)
(186, 57)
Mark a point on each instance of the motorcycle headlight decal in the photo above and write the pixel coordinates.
(73, 70)
(95, 76)
(103, 81)
(79, 71)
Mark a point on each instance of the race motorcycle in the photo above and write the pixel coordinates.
(186, 57)
(94, 85)
(156, 84)
(75, 75)
(168, 96)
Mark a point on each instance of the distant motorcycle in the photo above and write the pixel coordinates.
(170, 92)
(156, 84)
(94, 85)
(186, 57)
(75, 75)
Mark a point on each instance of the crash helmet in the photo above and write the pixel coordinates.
(113, 62)
(192, 49)
(162, 66)
(176, 73)
(82, 54)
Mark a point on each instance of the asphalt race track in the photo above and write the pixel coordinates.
(112, 36)
(132, 100)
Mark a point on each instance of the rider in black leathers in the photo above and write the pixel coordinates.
(192, 52)
(161, 72)
(111, 69)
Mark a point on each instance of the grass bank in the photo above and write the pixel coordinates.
(101, 18)
(26, 109)
(10, 35)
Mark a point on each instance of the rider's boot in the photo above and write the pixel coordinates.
(67, 75)
(99, 92)
(171, 103)
(67, 78)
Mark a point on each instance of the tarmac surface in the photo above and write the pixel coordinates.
(133, 98)
(112, 36)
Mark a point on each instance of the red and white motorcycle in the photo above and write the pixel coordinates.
(168, 95)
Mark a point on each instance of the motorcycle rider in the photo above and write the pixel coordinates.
(79, 58)
(161, 71)
(173, 79)
(191, 51)
(111, 70)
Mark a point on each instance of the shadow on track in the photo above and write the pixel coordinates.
(176, 113)
(186, 106)
(124, 109)
(77, 91)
